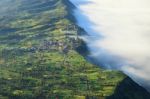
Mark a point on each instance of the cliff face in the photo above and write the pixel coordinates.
(39, 56)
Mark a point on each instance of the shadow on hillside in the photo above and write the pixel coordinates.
(128, 89)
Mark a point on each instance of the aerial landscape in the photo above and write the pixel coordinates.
(50, 49)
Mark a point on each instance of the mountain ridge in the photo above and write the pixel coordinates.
(42, 57)
(120, 89)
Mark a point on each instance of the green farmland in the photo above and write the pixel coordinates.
(39, 57)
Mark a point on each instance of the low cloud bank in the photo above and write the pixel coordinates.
(119, 34)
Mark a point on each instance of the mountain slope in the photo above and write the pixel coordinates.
(39, 56)
(128, 89)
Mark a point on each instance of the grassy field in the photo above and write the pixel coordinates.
(38, 57)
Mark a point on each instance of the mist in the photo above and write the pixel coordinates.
(118, 35)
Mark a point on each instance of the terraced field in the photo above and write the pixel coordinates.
(39, 56)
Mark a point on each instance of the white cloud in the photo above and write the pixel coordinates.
(122, 28)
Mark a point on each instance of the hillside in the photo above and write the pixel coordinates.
(41, 56)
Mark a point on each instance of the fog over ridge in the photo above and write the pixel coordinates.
(122, 34)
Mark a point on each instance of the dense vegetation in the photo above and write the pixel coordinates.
(38, 57)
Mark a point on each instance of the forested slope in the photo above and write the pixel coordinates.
(39, 57)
